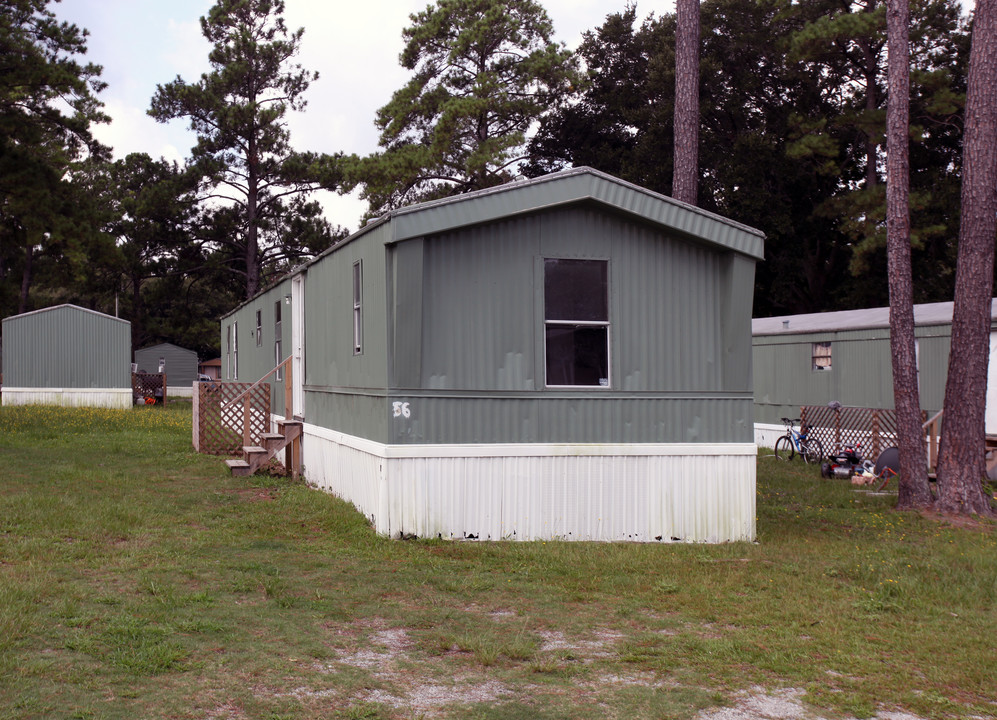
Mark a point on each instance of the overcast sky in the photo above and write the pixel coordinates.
(353, 45)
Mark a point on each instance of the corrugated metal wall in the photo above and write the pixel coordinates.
(861, 373)
(692, 493)
(329, 358)
(67, 347)
(680, 324)
(181, 364)
(257, 359)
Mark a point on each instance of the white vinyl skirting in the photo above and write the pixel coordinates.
(69, 397)
(629, 492)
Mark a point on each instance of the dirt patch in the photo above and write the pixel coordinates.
(760, 704)
(962, 522)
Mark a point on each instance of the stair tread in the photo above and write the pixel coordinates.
(237, 463)
(271, 436)
(251, 449)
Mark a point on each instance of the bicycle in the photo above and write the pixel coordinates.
(795, 442)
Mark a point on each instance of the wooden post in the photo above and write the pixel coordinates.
(245, 421)
(288, 390)
(875, 433)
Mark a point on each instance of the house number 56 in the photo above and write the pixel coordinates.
(401, 409)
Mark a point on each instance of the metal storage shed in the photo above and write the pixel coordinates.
(564, 357)
(179, 364)
(815, 358)
(67, 355)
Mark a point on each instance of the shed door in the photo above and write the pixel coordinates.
(991, 414)
(298, 345)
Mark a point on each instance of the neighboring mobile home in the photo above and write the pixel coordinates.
(67, 355)
(845, 357)
(179, 364)
(565, 357)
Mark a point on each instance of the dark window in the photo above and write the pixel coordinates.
(259, 328)
(576, 322)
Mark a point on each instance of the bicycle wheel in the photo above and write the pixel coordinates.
(784, 448)
(813, 451)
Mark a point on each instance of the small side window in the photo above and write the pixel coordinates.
(277, 352)
(259, 328)
(821, 356)
(357, 308)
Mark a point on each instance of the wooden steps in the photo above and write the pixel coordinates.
(254, 457)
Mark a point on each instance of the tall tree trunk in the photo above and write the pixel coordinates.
(252, 222)
(914, 490)
(871, 99)
(685, 173)
(961, 457)
(29, 253)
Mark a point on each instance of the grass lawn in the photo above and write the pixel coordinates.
(139, 580)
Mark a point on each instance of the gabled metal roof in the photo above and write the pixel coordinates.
(571, 186)
(65, 306)
(925, 314)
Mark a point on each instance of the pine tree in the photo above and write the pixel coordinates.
(251, 178)
(484, 71)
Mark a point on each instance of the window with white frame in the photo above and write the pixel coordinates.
(235, 350)
(576, 322)
(228, 352)
(259, 328)
(276, 343)
(357, 307)
(821, 356)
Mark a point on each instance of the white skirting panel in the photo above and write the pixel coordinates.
(661, 492)
(175, 391)
(69, 397)
(766, 434)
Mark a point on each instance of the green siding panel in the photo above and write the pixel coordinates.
(181, 364)
(861, 372)
(258, 359)
(67, 347)
(617, 419)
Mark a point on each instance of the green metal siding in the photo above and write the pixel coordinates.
(181, 364)
(679, 314)
(611, 418)
(255, 361)
(66, 347)
(861, 372)
(329, 358)
(453, 320)
(331, 366)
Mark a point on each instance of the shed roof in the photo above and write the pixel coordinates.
(65, 306)
(924, 314)
(150, 348)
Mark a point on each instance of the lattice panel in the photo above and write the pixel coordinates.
(875, 429)
(220, 413)
(149, 385)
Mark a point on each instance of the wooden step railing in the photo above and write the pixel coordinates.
(243, 413)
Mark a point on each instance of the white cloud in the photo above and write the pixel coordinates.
(353, 46)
